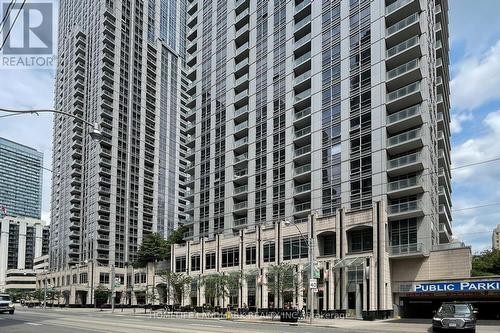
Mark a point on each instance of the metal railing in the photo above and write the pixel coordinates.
(404, 207)
(403, 114)
(403, 137)
(402, 46)
(396, 5)
(402, 92)
(398, 26)
(406, 249)
(404, 68)
(403, 183)
(403, 160)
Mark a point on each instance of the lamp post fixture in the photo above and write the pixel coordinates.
(95, 132)
(310, 246)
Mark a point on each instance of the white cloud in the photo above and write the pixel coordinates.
(46, 217)
(479, 149)
(477, 80)
(457, 120)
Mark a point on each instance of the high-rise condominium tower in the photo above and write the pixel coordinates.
(119, 65)
(337, 108)
(20, 180)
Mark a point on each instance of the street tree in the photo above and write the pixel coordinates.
(102, 294)
(486, 263)
(281, 280)
(175, 285)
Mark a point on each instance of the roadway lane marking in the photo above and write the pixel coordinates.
(203, 325)
(34, 324)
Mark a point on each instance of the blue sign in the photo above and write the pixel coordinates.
(458, 286)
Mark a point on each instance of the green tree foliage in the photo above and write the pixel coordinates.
(101, 293)
(216, 286)
(177, 236)
(38, 294)
(17, 294)
(486, 263)
(175, 284)
(281, 279)
(153, 249)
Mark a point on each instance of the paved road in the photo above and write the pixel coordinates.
(41, 321)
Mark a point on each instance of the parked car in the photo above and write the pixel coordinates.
(455, 316)
(6, 304)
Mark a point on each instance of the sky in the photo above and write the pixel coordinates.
(475, 97)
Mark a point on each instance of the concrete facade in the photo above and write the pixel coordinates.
(21, 241)
(495, 238)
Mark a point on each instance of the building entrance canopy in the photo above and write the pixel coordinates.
(349, 262)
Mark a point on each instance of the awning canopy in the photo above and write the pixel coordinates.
(350, 262)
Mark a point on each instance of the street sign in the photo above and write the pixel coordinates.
(315, 290)
(313, 283)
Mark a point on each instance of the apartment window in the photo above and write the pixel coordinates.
(360, 240)
(104, 278)
(269, 252)
(75, 279)
(251, 255)
(139, 278)
(83, 278)
(230, 257)
(180, 264)
(294, 248)
(210, 260)
(195, 262)
(403, 232)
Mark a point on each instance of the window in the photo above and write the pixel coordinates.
(139, 278)
(83, 278)
(210, 260)
(294, 248)
(195, 262)
(269, 252)
(180, 264)
(230, 257)
(251, 255)
(403, 232)
(360, 240)
(104, 278)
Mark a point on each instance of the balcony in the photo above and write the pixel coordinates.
(241, 67)
(301, 208)
(302, 96)
(299, 25)
(404, 74)
(403, 52)
(303, 169)
(240, 223)
(240, 112)
(405, 210)
(240, 173)
(242, 18)
(405, 187)
(241, 158)
(406, 118)
(405, 141)
(403, 30)
(240, 5)
(299, 43)
(240, 190)
(241, 83)
(241, 128)
(302, 133)
(188, 235)
(400, 9)
(414, 250)
(302, 190)
(445, 235)
(405, 164)
(302, 60)
(240, 98)
(444, 215)
(302, 115)
(301, 151)
(302, 81)
(240, 206)
(241, 143)
(404, 97)
(305, 4)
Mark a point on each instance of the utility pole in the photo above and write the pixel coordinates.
(311, 272)
(113, 282)
(45, 291)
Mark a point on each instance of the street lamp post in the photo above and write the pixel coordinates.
(310, 246)
(95, 133)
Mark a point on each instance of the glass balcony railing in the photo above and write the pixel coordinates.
(241, 95)
(396, 5)
(240, 173)
(302, 41)
(404, 207)
(241, 142)
(302, 169)
(403, 137)
(240, 111)
(403, 160)
(241, 157)
(243, 14)
(409, 43)
(302, 188)
(402, 92)
(242, 30)
(240, 222)
(302, 5)
(241, 126)
(241, 205)
(406, 249)
(302, 207)
(302, 113)
(439, 44)
(403, 183)
(440, 98)
(241, 64)
(306, 20)
(302, 77)
(302, 132)
(398, 26)
(239, 3)
(302, 95)
(302, 150)
(404, 68)
(403, 114)
(241, 80)
(241, 189)
(440, 116)
(302, 58)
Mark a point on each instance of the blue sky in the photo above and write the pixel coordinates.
(475, 88)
